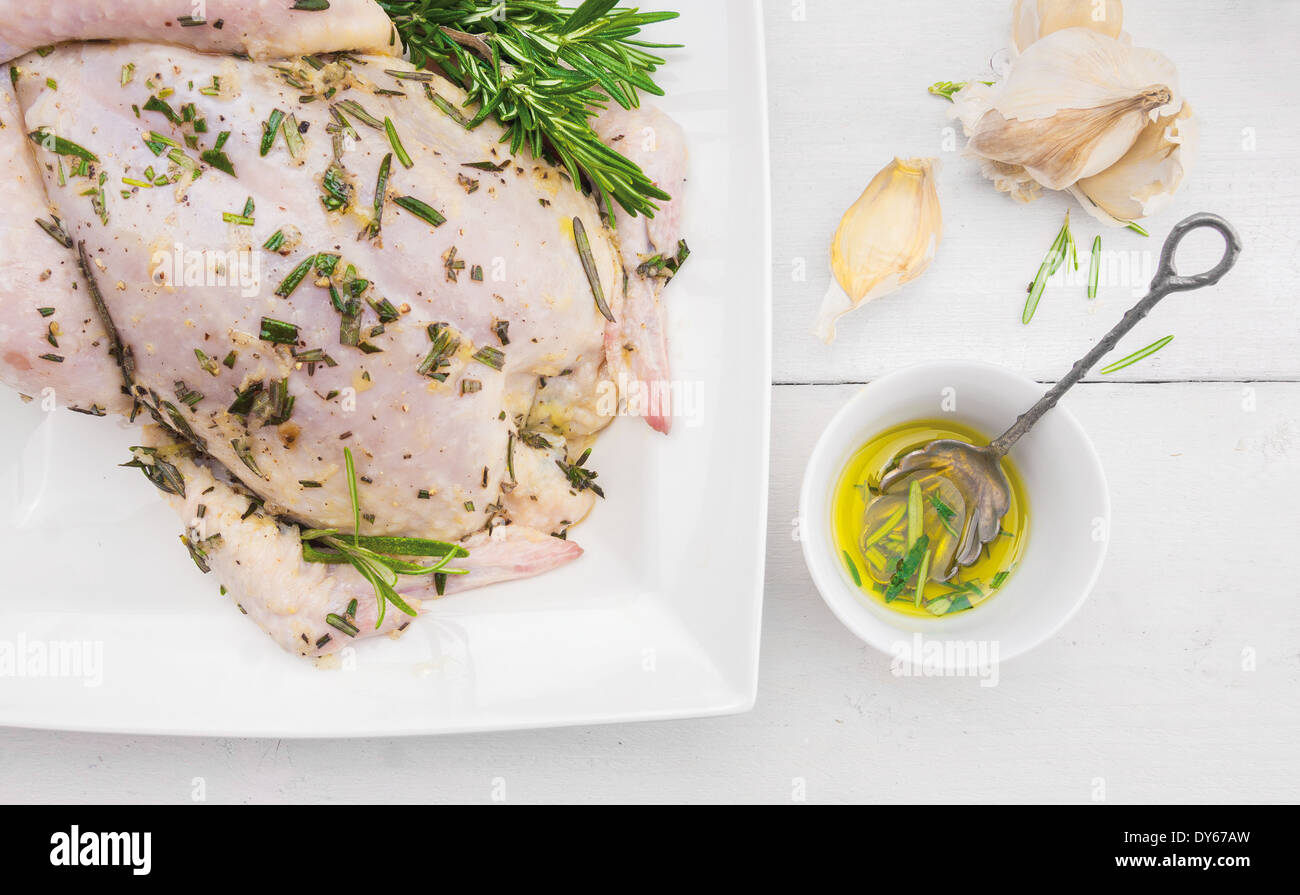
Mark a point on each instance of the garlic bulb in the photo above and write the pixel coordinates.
(1035, 19)
(887, 238)
(1070, 108)
(1146, 178)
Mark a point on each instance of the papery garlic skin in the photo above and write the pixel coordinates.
(1071, 106)
(1013, 180)
(1032, 20)
(886, 239)
(1146, 178)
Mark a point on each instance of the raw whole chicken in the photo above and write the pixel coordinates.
(300, 249)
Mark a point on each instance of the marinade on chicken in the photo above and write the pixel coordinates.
(278, 241)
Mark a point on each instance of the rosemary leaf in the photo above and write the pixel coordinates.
(1136, 356)
(1094, 268)
(589, 267)
(420, 210)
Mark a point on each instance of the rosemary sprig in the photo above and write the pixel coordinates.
(544, 70)
(377, 559)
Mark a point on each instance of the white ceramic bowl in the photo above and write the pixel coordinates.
(1069, 511)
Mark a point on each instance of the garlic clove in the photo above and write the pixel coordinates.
(886, 239)
(1032, 20)
(1144, 181)
(1072, 104)
(1071, 145)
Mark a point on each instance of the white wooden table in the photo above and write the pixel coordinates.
(1178, 680)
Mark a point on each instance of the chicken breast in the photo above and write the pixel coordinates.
(652, 248)
(53, 345)
(310, 608)
(263, 29)
(410, 314)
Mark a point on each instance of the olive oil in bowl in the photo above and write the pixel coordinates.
(902, 556)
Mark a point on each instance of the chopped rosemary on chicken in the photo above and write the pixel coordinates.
(665, 267)
(589, 267)
(421, 210)
(295, 277)
(60, 146)
(445, 346)
(491, 357)
(381, 188)
(270, 129)
(165, 476)
(55, 229)
(278, 332)
(580, 478)
(355, 109)
(396, 142)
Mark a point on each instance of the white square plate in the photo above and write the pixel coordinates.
(660, 618)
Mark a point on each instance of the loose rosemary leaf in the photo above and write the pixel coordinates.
(1094, 268)
(1136, 356)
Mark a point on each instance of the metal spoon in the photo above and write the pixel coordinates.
(977, 471)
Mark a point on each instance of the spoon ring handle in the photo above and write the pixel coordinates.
(1167, 280)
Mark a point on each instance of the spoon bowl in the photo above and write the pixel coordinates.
(976, 473)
